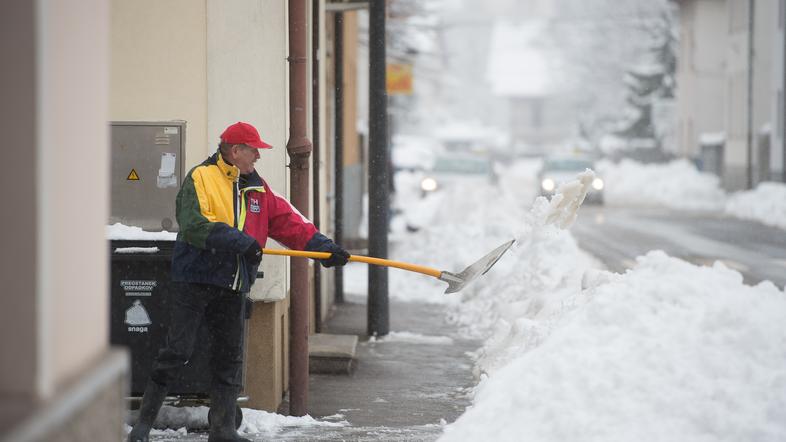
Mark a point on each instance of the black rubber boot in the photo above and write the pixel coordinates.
(151, 402)
(223, 401)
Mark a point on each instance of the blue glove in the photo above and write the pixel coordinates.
(253, 254)
(321, 243)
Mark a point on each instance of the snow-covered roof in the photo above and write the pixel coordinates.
(518, 64)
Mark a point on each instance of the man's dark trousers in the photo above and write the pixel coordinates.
(223, 311)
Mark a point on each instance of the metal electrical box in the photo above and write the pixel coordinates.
(147, 169)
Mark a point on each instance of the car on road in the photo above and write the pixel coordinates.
(452, 168)
(559, 169)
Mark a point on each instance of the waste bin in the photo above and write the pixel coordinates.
(140, 299)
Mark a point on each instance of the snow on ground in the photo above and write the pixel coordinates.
(766, 204)
(258, 421)
(254, 421)
(675, 185)
(667, 351)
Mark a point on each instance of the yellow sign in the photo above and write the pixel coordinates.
(133, 176)
(399, 79)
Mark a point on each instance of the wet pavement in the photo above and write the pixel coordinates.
(402, 389)
(617, 235)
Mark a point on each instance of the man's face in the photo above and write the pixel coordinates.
(245, 157)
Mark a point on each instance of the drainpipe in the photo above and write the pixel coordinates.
(299, 149)
(315, 164)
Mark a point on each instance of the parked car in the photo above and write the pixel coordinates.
(452, 168)
(559, 169)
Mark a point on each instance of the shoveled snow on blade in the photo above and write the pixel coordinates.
(568, 198)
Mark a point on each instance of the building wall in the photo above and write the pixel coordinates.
(158, 59)
(736, 92)
(327, 151)
(72, 292)
(742, 99)
(714, 94)
(20, 365)
(355, 90)
(777, 106)
(56, 362)
(210, 63)
(247, 81)
(700, 72)
(766, 23)
(213, 63)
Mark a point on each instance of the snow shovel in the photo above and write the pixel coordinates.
(456, 281)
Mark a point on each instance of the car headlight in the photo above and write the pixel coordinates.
(428, 184)
(597, 184)
(547, 184)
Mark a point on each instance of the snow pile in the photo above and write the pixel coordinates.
(675, 185)
(167, 433)
(668, 351)
(119, 231)
(767, 204)
(464, 223)
(257, 421)
(530, 284)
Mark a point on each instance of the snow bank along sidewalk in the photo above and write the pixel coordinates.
(675, 185)
(766, 203)
(667, 351)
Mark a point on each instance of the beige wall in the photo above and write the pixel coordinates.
(210, 63)
(74, 150)
(213, 63)
(157, 68)
(247, 81)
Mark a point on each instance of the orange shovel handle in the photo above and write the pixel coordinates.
(358, 258)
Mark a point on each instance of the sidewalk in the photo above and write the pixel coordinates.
(404, 387)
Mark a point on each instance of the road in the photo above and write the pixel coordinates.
(616, 236)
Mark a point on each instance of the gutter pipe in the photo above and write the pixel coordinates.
(299, 149)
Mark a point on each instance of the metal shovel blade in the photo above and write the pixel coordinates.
(458, 281)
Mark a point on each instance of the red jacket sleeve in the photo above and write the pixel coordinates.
(286, 224)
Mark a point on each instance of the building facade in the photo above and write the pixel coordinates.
(730, 72)
(60, 379)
